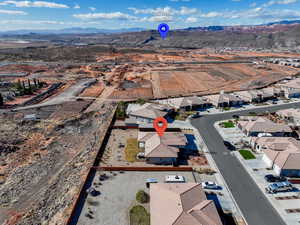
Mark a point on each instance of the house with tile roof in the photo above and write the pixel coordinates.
(224, 100)
(185, 103)
(291, 89)
(256, 96)
(147, 112)
(161, 150)
(181, 204)
(264, 125)
(291, 116)
(280, 153)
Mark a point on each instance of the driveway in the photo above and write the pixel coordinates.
(252, 202)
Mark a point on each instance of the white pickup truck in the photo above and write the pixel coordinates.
(174, 179)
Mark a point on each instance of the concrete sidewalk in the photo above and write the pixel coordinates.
(227, 201)
(258, 178)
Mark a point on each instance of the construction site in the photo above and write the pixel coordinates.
(55, 116)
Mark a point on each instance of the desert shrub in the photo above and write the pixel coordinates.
(142, 197)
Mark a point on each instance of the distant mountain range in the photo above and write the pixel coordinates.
(91, 30)
(285, 22)
(72, 30)
(266, 27)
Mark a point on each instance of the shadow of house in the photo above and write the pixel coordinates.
(190, 149)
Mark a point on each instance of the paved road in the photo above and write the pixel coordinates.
(67, 95)
(252, 202)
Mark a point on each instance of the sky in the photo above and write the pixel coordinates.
(121, 14)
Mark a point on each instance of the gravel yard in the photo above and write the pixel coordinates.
(115, 150)
(117, 196)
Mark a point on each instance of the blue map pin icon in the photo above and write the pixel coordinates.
(163, 29)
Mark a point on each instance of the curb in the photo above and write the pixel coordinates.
(253, 108)
(252, 177)
(240, 159)
(212, 162)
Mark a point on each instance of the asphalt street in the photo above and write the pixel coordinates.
(255, 207)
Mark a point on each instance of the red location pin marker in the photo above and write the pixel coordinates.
(160, 124)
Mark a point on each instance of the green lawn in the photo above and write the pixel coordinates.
(226, 108)
(247, 154)
(252, 114)
(180, 117)
(228, 124)
(131, 150)
(139, 216)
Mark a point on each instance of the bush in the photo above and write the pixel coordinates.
(120, 112)
(142, 197)
(139, 216)
(140, 101)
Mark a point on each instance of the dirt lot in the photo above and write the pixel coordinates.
(44, 162)
(175, 80)
(93, 91)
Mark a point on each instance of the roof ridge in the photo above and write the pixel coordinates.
(203, 205)
(196, 185)
(203, 215)
(178, 217)
(289, 155)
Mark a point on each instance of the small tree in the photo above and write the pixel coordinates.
(23, 84)
(35, 83)
(141, 101)
(19, 85)
(120, 112)
(1, 100)
(142, 197)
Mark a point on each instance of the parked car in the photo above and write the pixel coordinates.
(140, 155)
(210, 185)
(197, 115)
(279, 187)
(235, 116)
(151, 181)
(174, 179)
(271, 178)
(229, 145)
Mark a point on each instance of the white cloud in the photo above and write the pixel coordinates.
(158, 19)
(191, 20)
(258, 13)
(279, 2)
(265, 14)
(211, 14)
(114, 15)
(92, 9)
(38, 4)
(12, 12)
(253, 4)
(166, 11)
(158, 11)
(187, 11)
(76, 6)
